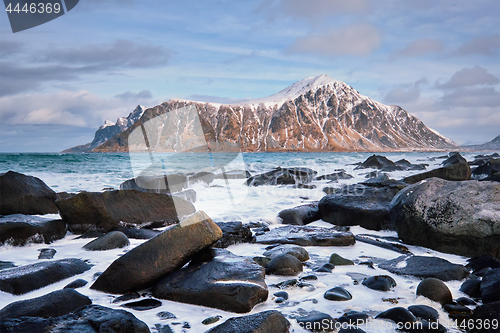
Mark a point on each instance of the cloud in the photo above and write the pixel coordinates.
(403, 94)
(421, 47)
(358, 40)
(471, 97)
(483, 45)
(469, 77)
(129, 96)
(8, 48)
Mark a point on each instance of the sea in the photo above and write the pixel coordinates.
(229, 200)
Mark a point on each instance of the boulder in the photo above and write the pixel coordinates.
(453, 217)
(294, 250)
(397, 315)
(21, 194)
(490, 286)
(76, 284)
(266, 321)
(54, 304)
(22, 279)
(300, 215)
(367, 206)
(111, 240)
(20, 230)
(161, 255)
(143, 305)
(376, 162)
(335, 176)
(486, 313)
(284, 264)
(436, 290)
(233, 233)
(88, 319)
(282, 176)
(337, 260)
(455, 158)
(217, 279)
(425, 267)
(203, 176)
(165, 184)
(424, 312)
(306, 236)
(379, 282)
(47, 253)
(317, 322)
(104, 211)
(337, 294)
(451, 172)
(472, 287)
(487, 169)
(233, 174)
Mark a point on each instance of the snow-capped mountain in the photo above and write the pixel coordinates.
(491, 145)
(315, 114)
(108, 130)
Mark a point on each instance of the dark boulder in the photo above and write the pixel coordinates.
(397, 315)
(294, 250)
(452, 172)
(425, 267)
(353, 318)
(111, 240)
(22, 279)
(317, 322)
(376, 162)
(379, 282)
(335, 176)
(490, 286)
(266, 321)
(283, 176)
(486, 313)
(143, 305)
(306, 236)
(472, 287)
(161, 255)
(453, 217)
(487, 169)
(337, 260)
(424, 312)
(54, 304)
(21, 194)
(284, 264)
(337, 294)
(20, 230)
(454, 158)
(47, 253)
(165, 184)
(217, 279)
(300, 215)
(76, 284)
(233, 233)
(104, 211)
(436, 290)
(478, 263)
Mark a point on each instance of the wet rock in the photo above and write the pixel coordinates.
(266, 321)
(326, 268)
(456, 309)
(397, 315)
(300, 215)
(46, 253)
(293, 250)
(111, 240)
(379, 282)
(281, 294)
(233, 174)
(337, 260)
(54, 304)
(136, 233)
(424, 312)
(335, 176)
(436, 290)
(164, 315)
(493, 178)
(163, 328)
(126, 297)
(453, 217)
(23, 279)
(425, 267)
(376, 162)
(486, 313)
(409, 166)
(479, 263)
(203, 176)
(337, 294)
(353, 318)
(217, 279)
(233, 233)
(282, 176)
(6, 264)
(396, 247)
(465, 301)
(472, 287)
(161, 255)
(166, 184)
(359, 204)
(307, 236)
(455, 158)
(490, 286)
(104, 211)
(89, 319)
(453, 172)
(211, 320)
(317, 322)
(285, 284)
(262, 261)
(20, 230)
(284, 264)
(142, 305)
(23, 194)
(487, 169)
(76, 284)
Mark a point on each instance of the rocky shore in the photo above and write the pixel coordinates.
(417, 254)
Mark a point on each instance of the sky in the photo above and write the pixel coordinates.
(439, 60)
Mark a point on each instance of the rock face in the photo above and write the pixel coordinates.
(23, 279)
(306, 236)
(161, 255)
(218, 279)
(454, 217)
(21, 194)
(316, 114)
(452, 172)
(38, 231)
(103, 211)
(267, 321)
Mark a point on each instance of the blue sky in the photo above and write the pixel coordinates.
(439, 60)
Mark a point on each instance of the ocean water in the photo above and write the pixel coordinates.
(229, 200)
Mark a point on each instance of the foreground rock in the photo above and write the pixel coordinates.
(89, 319)
(307, 236)
(111, 240)
(267, 321)
(453, 217)
(23, 279)
(21, 194)
(436, 290)
(300, 215)
(104, 211)
(367, 206)
(283, 176)
(425, 267)
(486, 313)
(452, 172)
(490, 286)
(161, 255)
(54, 304)
(233, 233)
(487, 169)
(284, 264)
(19, 230)
(217, 279)
(296, 251)
(166, 184)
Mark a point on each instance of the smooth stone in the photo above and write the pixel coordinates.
(326, 268)
(54, 304)
(233, 233)
(19, 233)
(262, 261)
(164, 315)
(47, 253)
(285, 284)
(22, 279)
(456, 309)
(126, 297)
(485, 261)
(111, 240)
(76, 284)
(309, 278)
(337, 294)
(435, 290)
(135, 233)
(379, 282)
(306, 236)
(353, 318)
(397, 315)
(472, 287)
(300, 215)
(317, 321)
(266, 321)
(465, 301)
(159, 256)
(337, 260)
(282, 294)
(284, 264)
(490, 286)
(211, 320)
(293, 250)
(424, 312)
(142, 305)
